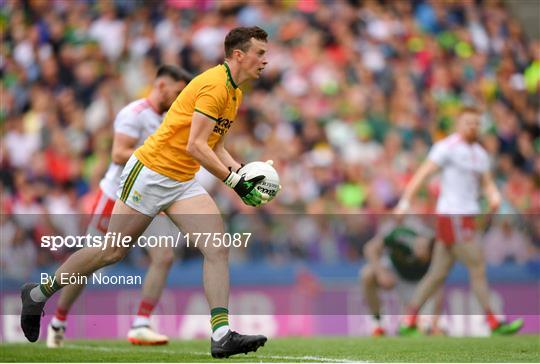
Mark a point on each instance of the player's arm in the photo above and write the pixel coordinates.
(426, 169)
(122, 148)
(491, 191)
(201, 129)
(224, 155)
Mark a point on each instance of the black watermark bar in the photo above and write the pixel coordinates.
(280, 264)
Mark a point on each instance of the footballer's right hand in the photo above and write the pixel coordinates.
(246, 189)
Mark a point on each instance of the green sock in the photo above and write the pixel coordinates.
(49, 287)
(220, 317)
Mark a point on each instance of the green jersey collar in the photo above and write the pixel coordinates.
(229, 76)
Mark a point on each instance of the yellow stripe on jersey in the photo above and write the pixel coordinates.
(214, 94)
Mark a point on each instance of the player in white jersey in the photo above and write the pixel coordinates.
(465, 172)
(133, 124)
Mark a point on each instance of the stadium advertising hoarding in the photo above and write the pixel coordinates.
(275, 311)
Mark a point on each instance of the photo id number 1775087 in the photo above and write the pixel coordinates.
(217, 240)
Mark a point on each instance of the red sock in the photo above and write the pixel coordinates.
(146, 308)
(492, 321)
(61, 314)
(412, 316)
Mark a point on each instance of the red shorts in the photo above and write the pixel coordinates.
(101, 214)
(456, 228)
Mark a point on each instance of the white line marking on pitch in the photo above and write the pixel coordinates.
(165, 351)
(314, 358)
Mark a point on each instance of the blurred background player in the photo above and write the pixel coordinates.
(159, 176)
(465, 173)
(398, 256)
(133, 124)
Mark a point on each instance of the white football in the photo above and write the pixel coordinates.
(270, 183)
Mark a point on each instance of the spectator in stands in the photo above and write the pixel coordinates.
(504, 242)
(353, 95)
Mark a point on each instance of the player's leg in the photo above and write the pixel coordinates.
(371, 283)
(441, 263)
(57, 327)
(471, 255)
(161, 259)
(125, 221)
(368, 283)
(199, 214)
(101, 213)
(438, 305)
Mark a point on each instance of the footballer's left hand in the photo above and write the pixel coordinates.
(255, 198)
(246, 189)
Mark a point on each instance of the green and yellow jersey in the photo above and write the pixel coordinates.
(212, 93)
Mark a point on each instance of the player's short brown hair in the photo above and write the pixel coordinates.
(470, 109)
(240, 38)
(174, 72)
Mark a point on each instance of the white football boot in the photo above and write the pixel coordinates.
(55, 336)
(144, 335)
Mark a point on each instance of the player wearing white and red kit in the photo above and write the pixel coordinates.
(464, 166)
(133, 124)
(138, 120)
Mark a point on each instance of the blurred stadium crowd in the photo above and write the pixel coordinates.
(354, 94)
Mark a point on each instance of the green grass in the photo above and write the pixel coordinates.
(332, 349)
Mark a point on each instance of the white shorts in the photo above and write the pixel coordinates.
(150, 192)
(101, 215)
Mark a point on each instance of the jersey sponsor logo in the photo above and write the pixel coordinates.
(222, 126)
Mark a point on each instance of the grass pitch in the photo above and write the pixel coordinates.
(332, 350)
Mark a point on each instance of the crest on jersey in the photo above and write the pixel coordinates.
(136, 197)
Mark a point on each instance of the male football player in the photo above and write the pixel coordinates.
(398, 256)
(159, 176)
(465, 172)
(133, 124)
